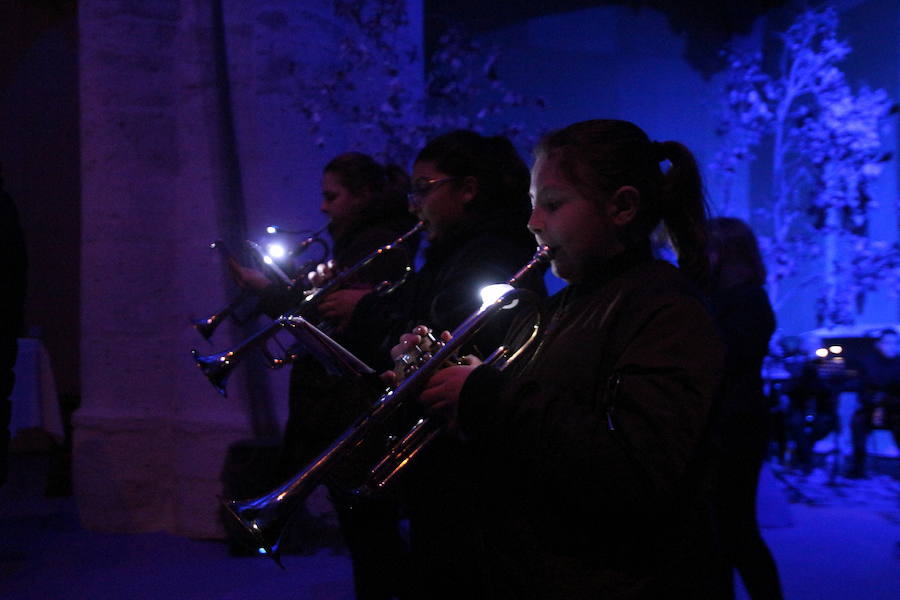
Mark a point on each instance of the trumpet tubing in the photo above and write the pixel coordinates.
(208, 325)
(217, 367)
(313, 296)
(357, 460)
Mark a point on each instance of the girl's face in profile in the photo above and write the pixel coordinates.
(437, 199)
(578, 230)
(338, 203)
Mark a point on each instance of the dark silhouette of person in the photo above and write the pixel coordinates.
(747, 322)
(813, 396)
(13, 262)
(879, 397)
(366, 204)
(472, 191)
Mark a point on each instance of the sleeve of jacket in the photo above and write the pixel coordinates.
(389, 266)
(628, 444)
(277, 299)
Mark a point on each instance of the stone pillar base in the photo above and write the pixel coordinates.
(141, 475)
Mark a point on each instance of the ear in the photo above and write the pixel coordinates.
(468, 189)
(623, 206)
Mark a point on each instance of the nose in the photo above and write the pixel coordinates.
(535, 223)
(414, 205)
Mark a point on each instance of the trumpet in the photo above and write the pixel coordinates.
(348, 462)
(206, 326)
(218, 367)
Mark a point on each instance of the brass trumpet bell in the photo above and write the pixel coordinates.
(263, 523)
(216, 367)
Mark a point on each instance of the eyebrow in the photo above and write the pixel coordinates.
(552, 189)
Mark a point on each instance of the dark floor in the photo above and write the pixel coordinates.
(832, 538)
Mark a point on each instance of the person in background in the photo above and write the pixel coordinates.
(593, 471)
(813, 396)
(12, 309)
(472, 191)
(365, 203)
(879, 397)
(747, 322)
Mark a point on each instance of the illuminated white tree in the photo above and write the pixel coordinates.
(371, 84)
(825, 150)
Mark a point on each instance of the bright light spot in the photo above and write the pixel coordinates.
(835, 349)
(822, 352)
(272, 229)
(268, 259)
(276, 251)
(261, 550)
(490, 294)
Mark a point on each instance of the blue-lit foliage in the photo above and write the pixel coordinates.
(825, 150)
(374, 86)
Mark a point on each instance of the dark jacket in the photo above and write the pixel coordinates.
(592, 463)
(12, 311)
(746, 322)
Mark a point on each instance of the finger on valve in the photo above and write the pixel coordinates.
(389, 378)
(414, 349)
(320, 274)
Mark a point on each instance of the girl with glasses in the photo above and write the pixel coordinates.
(472, 191)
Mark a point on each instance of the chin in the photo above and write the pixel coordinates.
(560, 271)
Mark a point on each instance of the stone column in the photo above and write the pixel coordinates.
(188, 135)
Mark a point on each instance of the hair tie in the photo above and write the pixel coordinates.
(659, 152)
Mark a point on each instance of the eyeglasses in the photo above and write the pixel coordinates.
(423, 187)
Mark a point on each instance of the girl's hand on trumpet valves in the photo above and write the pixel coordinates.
(440, 396)
(321, 274)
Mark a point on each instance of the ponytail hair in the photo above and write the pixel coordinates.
(683, 211)
(600, 156)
